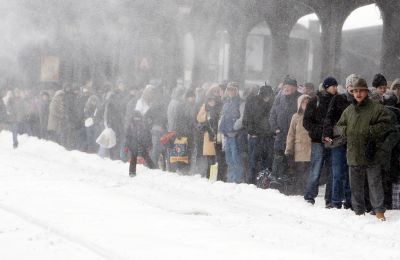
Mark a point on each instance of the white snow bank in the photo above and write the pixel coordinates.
(56, 204)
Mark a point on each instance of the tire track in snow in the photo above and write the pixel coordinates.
(74, 239)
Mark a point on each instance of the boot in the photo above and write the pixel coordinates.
(380, 216)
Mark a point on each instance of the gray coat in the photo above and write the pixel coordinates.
(175, 107)
(57, 112)
(281, 115)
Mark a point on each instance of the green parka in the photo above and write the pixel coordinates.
(355, 124)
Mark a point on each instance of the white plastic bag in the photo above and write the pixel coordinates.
(89, 122)
(107, 138)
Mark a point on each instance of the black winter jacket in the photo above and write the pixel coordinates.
(336, 107)
(138, 136)
(315, 114)
(256, 115)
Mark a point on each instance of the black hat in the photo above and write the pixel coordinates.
(290, 81)
(265, 91)
(379, 80)
(329, 81)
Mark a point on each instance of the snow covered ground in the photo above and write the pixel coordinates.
(56, 204)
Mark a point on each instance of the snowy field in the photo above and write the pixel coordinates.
(56, 204)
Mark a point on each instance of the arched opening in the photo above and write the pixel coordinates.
(305, 49)
(258, 54)
(362, 42)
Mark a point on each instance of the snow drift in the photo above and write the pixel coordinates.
(56, 204)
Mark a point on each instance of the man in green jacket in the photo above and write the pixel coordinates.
(365, 124)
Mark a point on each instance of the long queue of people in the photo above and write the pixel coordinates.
(231, 133)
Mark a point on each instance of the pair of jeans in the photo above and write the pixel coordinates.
(357, 182)
(260, 157)
(340, 177)
(233, 160)
(320, 157)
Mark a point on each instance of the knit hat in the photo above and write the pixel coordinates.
(329, 81)
(290, 81)
(351, 79)
(360, 84)
(379, 80)
(265, 91)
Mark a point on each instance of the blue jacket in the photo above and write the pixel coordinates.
(230, 113)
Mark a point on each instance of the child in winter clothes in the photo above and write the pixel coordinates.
(298, 146)
(138, 139)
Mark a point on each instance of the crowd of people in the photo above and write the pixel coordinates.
(233, 132)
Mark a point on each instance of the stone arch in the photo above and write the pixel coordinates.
(305, 49)
(258, 53)
(363, 45)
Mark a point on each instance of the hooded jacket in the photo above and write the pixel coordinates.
(298, 143)
(57, 112)
(281, 115)
(256, 114)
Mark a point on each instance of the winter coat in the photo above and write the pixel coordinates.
(336, 107)
(298, 143)
(315, 114)
(280, 117)
(174, 107)
(17, 109)
(130, 108)
(230, 113)
(156, 117)
(357, 123)
(255, 118)
(208, 118)
(185, 121)
(113, 116)
(91, 107)
(57, 112)
(73, 113)
(138, 137)
(81, 102)
(44, 115)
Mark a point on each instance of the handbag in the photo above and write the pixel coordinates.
(179, 152)
(89, 122)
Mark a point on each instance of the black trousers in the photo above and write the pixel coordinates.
(133, 162)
